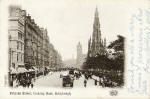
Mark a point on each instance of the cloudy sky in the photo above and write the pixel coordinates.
(71, 21)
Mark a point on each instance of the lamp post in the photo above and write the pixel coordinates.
(10, 58)
(9, 53)
(10, 62)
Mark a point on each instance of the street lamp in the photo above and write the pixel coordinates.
(9, 52)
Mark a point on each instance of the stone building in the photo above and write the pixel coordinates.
(55, 59)
(59, 60)
(36, 45)
(45, 47)
(96, 45)
(16, 36)
(40, 48)
(51, 55)
(80, 58)
(29, 44)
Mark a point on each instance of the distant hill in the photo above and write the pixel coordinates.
(70, 63)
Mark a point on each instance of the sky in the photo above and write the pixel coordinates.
(71, 21)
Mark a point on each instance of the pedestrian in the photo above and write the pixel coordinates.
(100, 81)
(31, 85)
(15, 83)
(28, 83)
(95, 82)
(85, 82)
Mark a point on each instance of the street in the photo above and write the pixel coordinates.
(54, 80)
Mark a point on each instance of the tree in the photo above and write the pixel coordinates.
(118, 46)
(103, 62)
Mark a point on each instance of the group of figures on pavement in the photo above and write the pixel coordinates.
(104, 80)
(27, 79)
(101, 80)
(22, 79)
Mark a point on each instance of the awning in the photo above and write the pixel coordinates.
(95, 77)
(22, 70)
(31, 70)
(48, 68)
(13, 71)
(35, 69)
(65, 73)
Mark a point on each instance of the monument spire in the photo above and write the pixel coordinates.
(96, 12)
(96, 26)
(97, 43)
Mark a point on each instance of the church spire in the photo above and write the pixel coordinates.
(96, 12)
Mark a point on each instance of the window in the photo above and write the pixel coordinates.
(17, 45)
(17, 57)
(19, 36)
(13, 65)
(20, 26)
(21, 46)
(21, 57)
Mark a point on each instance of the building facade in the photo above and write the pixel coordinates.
(45, 48)
(16, 36)
(96, 45)
(55, 59)
(80, 58)
(29, 44)
(52, 55)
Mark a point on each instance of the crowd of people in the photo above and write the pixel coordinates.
(101, 80)
(25, 79)
(104, 80)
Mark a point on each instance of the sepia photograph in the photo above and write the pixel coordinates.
(78, 49)
(37, 57)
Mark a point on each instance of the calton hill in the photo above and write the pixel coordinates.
(109, 65)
